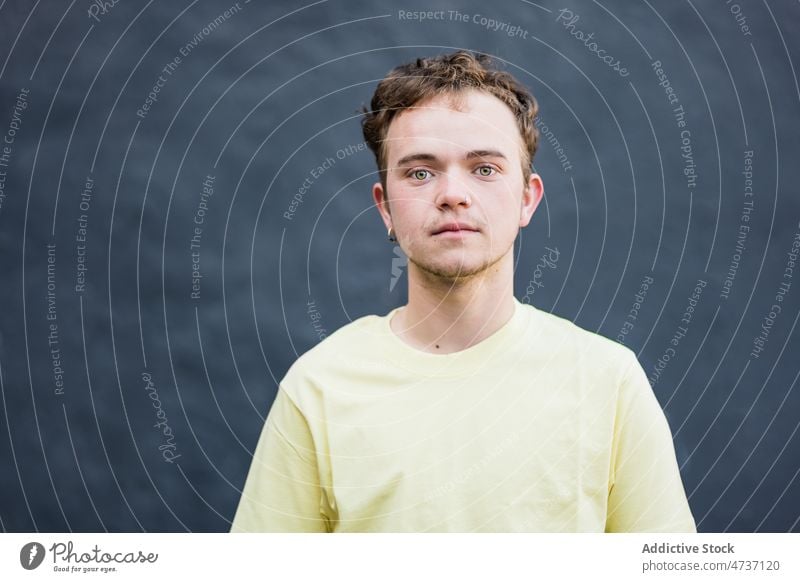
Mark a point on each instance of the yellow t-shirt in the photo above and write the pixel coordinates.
(541, 427)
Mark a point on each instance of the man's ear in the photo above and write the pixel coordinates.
(382, 203)
(531, 197)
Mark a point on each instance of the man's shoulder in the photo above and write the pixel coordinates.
(343, 346)
(577, 343)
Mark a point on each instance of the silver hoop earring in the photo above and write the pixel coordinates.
(390, 234)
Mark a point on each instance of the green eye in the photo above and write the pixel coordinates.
(486, 171)
(420, 174)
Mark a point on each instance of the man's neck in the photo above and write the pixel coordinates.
(443, 316)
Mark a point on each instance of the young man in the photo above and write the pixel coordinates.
(464, 410)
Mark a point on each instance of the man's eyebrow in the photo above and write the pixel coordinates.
(421, 157)
(485, 154)
(424, 157)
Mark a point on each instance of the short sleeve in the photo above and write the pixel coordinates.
(646, 493)
(282, 491)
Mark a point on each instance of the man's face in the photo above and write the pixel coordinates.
(449, 167)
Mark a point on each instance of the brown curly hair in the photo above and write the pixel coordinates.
(408, 84)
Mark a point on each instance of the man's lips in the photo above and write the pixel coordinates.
(456, 227)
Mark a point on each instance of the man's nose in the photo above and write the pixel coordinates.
(452, 191)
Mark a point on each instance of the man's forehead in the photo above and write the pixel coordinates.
(476, 121)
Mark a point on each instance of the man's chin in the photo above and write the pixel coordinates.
(452, 271)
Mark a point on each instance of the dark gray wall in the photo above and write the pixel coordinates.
(265, 97)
